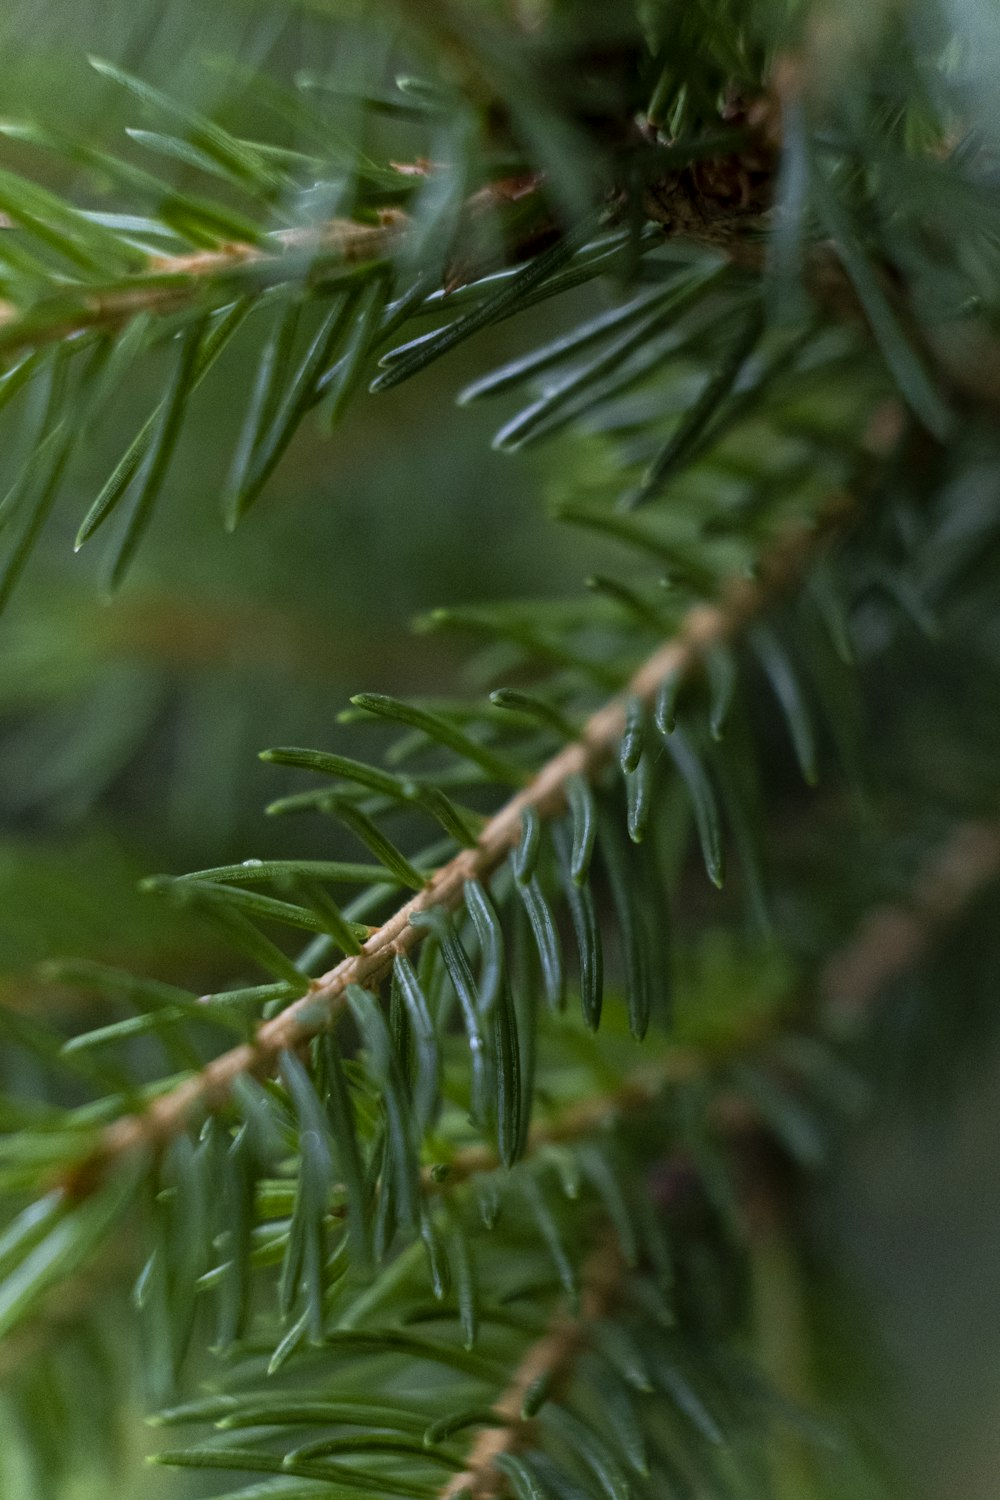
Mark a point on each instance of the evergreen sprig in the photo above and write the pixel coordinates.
(412, 1183)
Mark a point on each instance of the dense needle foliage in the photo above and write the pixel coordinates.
(476, 1141)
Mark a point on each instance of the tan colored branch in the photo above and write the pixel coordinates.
(893, 938)
(704, 626)
(157, 290)
(550, 1358)
(889, 942)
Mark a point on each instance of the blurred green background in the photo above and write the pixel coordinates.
(129, 730)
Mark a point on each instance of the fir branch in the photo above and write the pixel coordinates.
(550, 1360)
(172, 283)
(890, 941)
(584, 1118)
(893, 938)
(703, 627)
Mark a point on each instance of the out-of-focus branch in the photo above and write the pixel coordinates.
(550, 1358)
(893, 938)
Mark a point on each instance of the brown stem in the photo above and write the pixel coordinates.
(550, 1358)
(704, 626)
(892, 938)
(157, 289)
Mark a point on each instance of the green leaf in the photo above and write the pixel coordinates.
(523, 1481)
(619, 1349)
(298, 393)
(360, 824)
(279, 1409)
(543, 928)
(684, 440)
(465, 1288)
(346, 1145)
(476, 1416)
(673, 1379)
(216, 902)
(341, 1481)
(590, 331)
(400, 1144)
(699, 788)
(426, 1093)
(441, 732)
(592, 1452)
(337, 385)
(628, 903)
(642, 613)
(624, 1422)
(720, 668)
(330, 918)
(284, 1489)
(489, 935)
(403, 789)
(583, 812)
(71, 1237)
(572, 390)
(459, 822)
(902, 359)
(242, 162)
(437, 921)
(634, 736)
(238, 1199)
(793, 1122)
(536, 708)
(153, 1021)
(512, 1093)
(638, 789)
(511, 294)
(265, 396)
(152, 471)
(665, 707)
(524, 858)
(337, 765)
(551, 1236)
(374, 1442)
(117, 486)
(682, 561)
(252, 903)
(437, 1258)
(587, 929)
(252, 871)
(305, 1255)
(88, 246)
(781, 674)
(23, 1233)
(822, 587)
(51, 458)
(606, 1180)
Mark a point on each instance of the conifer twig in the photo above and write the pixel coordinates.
(169, 283)
(704, 626)
(893, 937)
(889, 941)
(549, 1358)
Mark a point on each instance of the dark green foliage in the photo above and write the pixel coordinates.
(417, 1181)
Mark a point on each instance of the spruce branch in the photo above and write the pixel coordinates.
(894, 937)
(550, 1361)
(173, 283)
(704, 626)
(890, 940)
